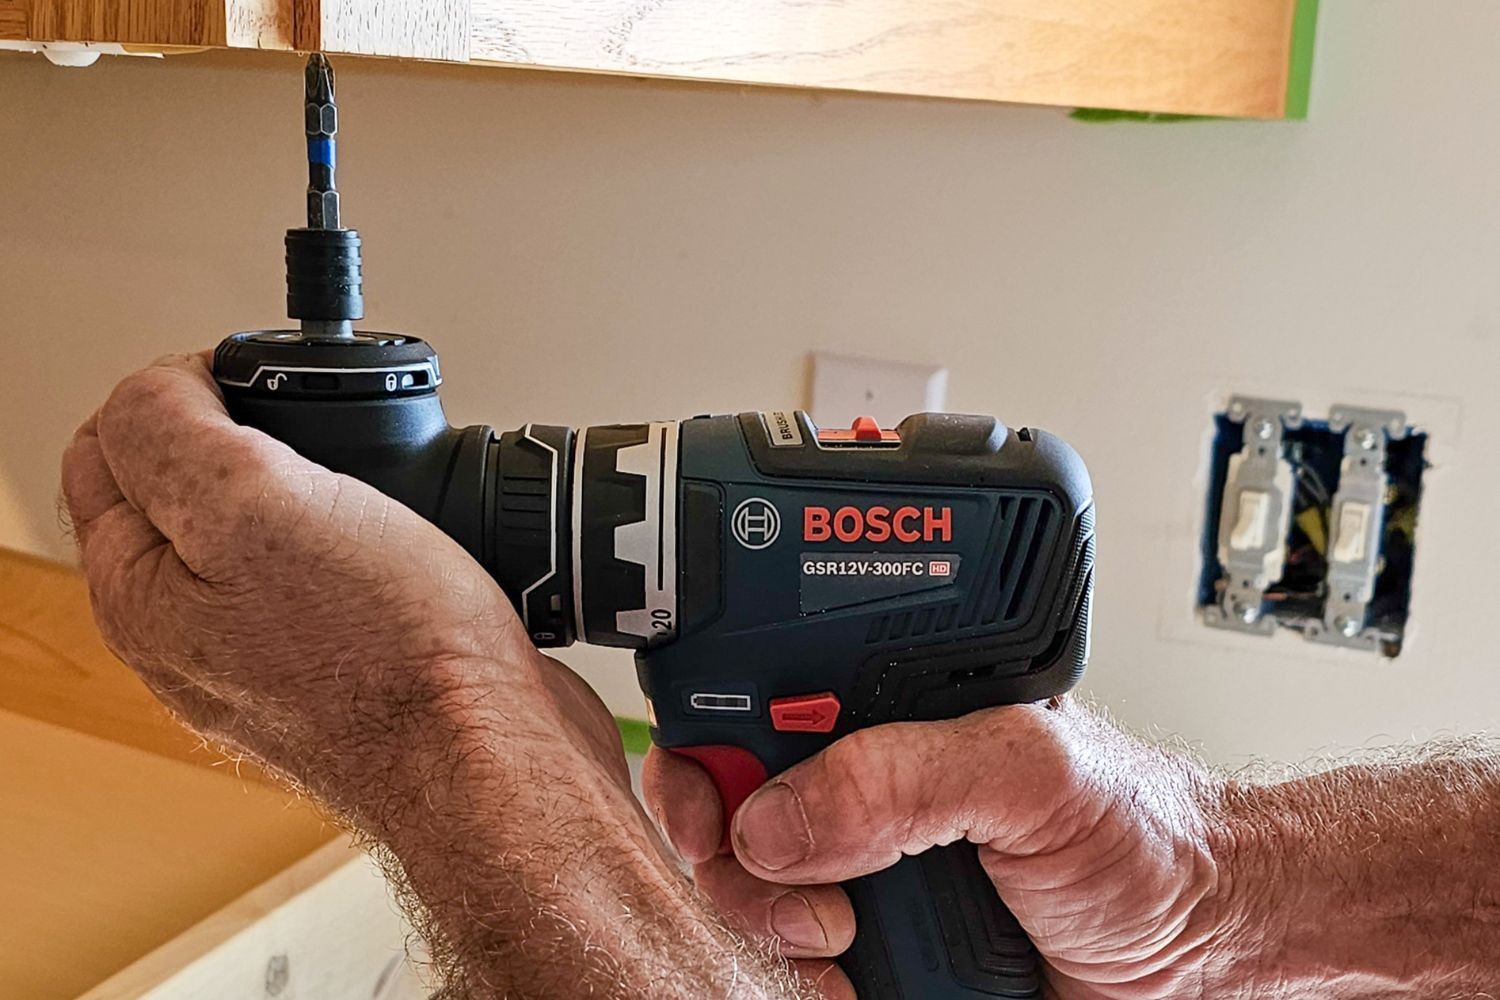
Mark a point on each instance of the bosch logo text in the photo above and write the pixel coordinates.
(877, 524)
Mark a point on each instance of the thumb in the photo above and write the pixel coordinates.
(995, 777)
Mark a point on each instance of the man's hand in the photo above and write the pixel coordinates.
(1096, 842)
(1138, 873)
(298, 614)
(307, 620)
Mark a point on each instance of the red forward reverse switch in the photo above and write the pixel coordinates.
(864, 430)
(805, 713)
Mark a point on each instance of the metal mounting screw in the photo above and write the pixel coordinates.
(1365, 438)
(1347, 627)
(1264, 428)
(1247, 613)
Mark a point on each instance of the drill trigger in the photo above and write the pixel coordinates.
(736, 773)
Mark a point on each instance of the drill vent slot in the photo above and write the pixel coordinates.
(1023, 535)
(912, 625)
(1025, 531)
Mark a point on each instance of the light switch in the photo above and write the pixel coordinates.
(1354, 521)
(1249, 534)
(845, 387)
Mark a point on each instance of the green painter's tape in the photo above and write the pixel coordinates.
(1298, 78)
(1299, 73)
(634, 734)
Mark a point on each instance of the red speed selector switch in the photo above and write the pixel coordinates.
(864, 431)
(805, 713)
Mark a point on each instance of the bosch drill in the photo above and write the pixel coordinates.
(782, 585)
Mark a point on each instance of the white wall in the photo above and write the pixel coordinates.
(586, 250)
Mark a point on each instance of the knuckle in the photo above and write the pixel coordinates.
(136, 396)
(859, 782)
(1032, 730)
(1046, 746)
(243, 506)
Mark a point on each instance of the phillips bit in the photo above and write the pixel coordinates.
(322, 120)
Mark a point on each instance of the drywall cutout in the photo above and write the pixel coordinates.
(1306, 515)
(1311, 525)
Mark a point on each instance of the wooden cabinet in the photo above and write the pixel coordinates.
(138, 866)
(1241, 58)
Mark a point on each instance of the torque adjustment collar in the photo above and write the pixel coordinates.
(283, 364)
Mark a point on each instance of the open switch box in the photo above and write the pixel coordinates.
(1311, 524)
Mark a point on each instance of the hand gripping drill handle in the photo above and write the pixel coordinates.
(549, 512)
(942, 568)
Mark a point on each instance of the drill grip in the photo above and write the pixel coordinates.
(932, 927)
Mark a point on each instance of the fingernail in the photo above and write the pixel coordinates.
(659, 817)
(794, 921)
(771, 828)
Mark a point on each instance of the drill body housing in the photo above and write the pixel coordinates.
(782, 585)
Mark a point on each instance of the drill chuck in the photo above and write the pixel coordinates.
(324, 279)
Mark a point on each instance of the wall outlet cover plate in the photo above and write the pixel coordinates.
(845, 386)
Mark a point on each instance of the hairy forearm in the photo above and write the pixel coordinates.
(1372, 880)
(530, 871)
(578, 907)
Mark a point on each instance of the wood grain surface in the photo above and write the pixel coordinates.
(1206, 57)
(168, 23)
(258, 24)
(422, 29)
(172, 22)
(14, 16)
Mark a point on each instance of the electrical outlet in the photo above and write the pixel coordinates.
(845, 387)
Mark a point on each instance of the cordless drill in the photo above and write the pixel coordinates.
(782, 585)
